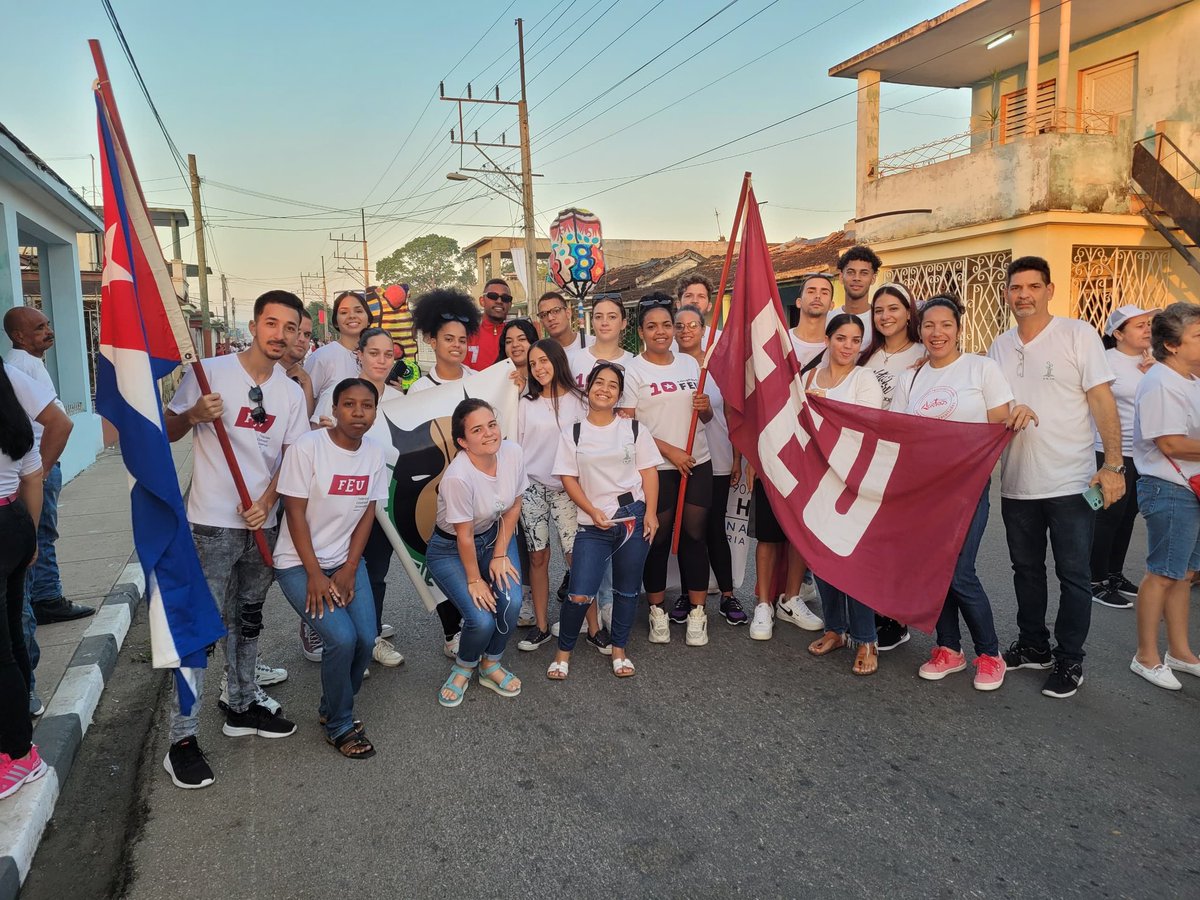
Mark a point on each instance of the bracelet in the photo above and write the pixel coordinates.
(474, 581)
(494, 558)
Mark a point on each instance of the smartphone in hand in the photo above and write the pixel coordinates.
(1094, 497)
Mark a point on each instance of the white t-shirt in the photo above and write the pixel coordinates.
(889, 368)
(860, 387)
(35, 369)
(213, 500)
(963, 391)
(468, 495)
(34, 398)
(324, 407)
(538, 431)
(717, 431)
(805, 351)
(1166, 403)
(330, 364)
(864, 317)
(662, 399)
(339, 485)
(582, 362)
(1052, 375)
(608, 462)
(1129, 376)
(432, 380)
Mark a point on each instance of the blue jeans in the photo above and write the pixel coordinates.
(842, 614)
(348, 634)
(599, 551)
(966, 594)
(42, 579)
(1070, 523)
(484, 633)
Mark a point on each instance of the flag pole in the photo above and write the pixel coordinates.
(712, 337)
(239, 482)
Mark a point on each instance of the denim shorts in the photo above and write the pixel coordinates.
(1172, 514)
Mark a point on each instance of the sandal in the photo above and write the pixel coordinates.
(827, 643)
(558, 670)
(501, 687)
(353, 744)
(455, 689)
(866, 661)
(623, 668)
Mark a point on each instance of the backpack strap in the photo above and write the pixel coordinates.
(575, 429)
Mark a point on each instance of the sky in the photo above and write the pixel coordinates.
(301, 113)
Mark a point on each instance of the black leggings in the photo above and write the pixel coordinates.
(16, 729)
(378, 557)
(1114, 527)
(693, 550)
(719, 556)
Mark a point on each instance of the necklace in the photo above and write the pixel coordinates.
(887, 357)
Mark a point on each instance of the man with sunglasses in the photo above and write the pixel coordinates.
(554, 312)
(483, 349)
(264, 412)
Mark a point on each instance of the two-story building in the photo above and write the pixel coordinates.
(1097, 178)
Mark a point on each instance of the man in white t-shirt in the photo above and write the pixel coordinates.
(263, 412)
(555, 314)
(1057, 367)
(808, 337)
(293, 359)
(858, 267)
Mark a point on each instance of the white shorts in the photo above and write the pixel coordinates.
(540, 503)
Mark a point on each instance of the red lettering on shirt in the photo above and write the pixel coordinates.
(349, 485)
(244, 420)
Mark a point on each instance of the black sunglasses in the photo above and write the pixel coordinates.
(492, 295)
(648, 302)
(451, 317)
(258, 414)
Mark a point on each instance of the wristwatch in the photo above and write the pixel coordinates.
(1120, 470)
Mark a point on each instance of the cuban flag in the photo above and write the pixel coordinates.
(143, 337)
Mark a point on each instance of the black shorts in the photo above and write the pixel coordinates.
(764, 525)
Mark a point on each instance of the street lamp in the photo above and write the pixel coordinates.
(530, 244)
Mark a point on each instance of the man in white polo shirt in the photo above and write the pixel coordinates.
(1057, 367)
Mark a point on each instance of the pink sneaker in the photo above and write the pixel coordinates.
(942, 662)
(16, 772)
(989, 672)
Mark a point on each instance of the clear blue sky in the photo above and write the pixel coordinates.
(311, 101)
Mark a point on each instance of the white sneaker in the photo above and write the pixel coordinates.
(386, 631)
(450, 647)
(660, 626)
(808, 592)
(525, 617)
(1159, 676)
(582, 628)
(264, 674)
(386, 654)
(793, 610)
(762, 627)
(697, 627)
(1179, 665)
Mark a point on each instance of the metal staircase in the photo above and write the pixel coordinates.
(1169, 186)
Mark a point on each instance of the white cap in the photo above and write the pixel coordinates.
(1123, 314)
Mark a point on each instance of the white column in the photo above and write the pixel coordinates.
(1061, 94)
(10, 263)
(868, 133)
(1031, 71)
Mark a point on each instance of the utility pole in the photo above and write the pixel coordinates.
(324, 302)
(526, 175)
(353, 266)
(201, 263)
(366, 266)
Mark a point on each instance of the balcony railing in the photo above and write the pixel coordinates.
(1069, 121)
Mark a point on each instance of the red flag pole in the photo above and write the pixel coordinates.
(239, 482)
(712, 337)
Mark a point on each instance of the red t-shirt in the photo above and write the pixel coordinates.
(484, 348)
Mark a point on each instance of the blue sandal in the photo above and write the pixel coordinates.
(501, 687)
(457, 690)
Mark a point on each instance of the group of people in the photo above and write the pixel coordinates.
(610, 449)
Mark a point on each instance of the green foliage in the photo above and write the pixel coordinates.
(427, 262)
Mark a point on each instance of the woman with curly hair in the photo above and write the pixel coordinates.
(447, 318)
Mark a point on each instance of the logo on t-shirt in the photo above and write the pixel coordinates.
(939, 402)
(349, 485)
(1048, 375)
(244, 420)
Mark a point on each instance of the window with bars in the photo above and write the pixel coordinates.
(1012, 111)
(976, 280)
(1103, 278)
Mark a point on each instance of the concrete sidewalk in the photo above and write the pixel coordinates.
(95, 555)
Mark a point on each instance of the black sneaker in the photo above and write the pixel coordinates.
(187, 766)
(731, 609)
(257, 720)
(1018, 656)
(561, 596)
(1064, 681)
(679, 612)
(890, 634)
(601, 640)
(533, 639)
(1105, 593)
(1123, 586)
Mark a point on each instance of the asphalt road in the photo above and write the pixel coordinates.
(737, 769)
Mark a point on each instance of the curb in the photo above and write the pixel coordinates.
(59, 733)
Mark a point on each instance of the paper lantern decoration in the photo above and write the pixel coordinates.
(576, 251)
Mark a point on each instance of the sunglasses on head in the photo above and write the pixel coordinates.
(258, 414)
(648, 302)
(451, 317)
(492, 295)
(605, 364)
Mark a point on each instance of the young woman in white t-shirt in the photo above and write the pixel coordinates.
(959, 387)
(608, 467)
(608, 324)
(838, 377)
(447, 319)
(330, 481)
(516, 337)
(1127, 343)
(339, 359)
(726, 461)
(550, 404)
(472, 555)
(660, 387)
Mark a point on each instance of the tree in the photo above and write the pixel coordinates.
(426, 263)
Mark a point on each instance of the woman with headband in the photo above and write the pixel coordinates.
(338, 359)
